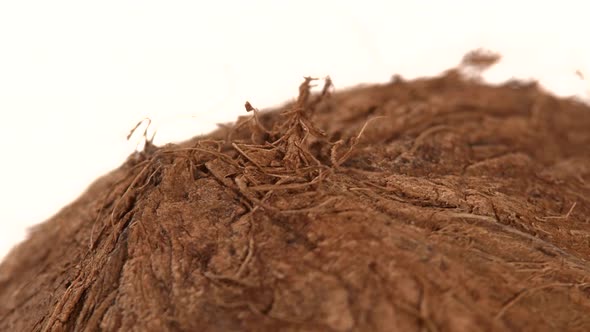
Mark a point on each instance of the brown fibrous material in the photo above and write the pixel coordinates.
(439, 204)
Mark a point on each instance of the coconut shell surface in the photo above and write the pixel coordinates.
(440, 204)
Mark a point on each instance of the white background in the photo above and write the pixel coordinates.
(75, 76)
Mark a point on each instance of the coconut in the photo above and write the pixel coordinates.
(437, 204)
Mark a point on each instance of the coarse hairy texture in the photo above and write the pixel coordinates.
(439, 204)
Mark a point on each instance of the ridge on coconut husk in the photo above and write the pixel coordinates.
(438, 204)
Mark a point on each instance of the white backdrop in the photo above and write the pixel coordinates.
(75, 76)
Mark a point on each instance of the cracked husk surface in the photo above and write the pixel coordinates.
(439, 204)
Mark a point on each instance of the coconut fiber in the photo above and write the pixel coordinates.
(438, 204)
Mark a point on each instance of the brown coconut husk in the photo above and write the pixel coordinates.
(438, 204)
